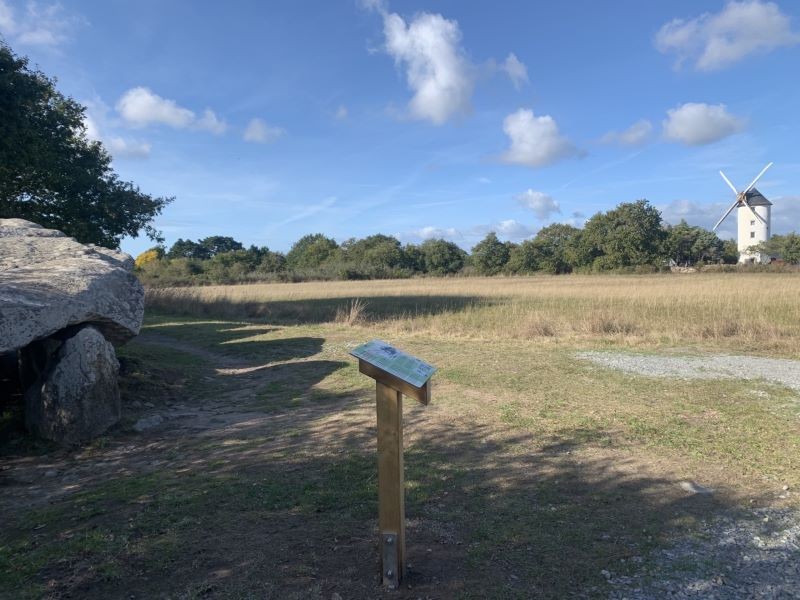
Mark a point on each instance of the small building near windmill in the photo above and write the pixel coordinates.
(752, 229)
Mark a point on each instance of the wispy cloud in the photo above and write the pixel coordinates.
(306, 212)
(433, 233)
(259, 131)
(604, 167)
(512, 230)
(507, 229)
(704, 215)
(635, 135)
(785, 214)
(515, 69)
(210, 122)
(434, 203)
(716, 40)
(43, 25)
(576, 219)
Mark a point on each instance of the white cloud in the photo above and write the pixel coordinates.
(117, 146)
(516, 70)
(39, 25)
(210, 122)
(436, 68)
(513, 230)
(484, 180)
(713, 41)
(535, 141)
(785, 215)
(380, 6)
(435, 233)
(696, 123)
(576, 219)
(635, 135)
(508, 229)
(542, 205)
(92, 129)
(259, 131)
(438, 71)
(341, 113)
(703, 215)
(139, 107)
(7, 23)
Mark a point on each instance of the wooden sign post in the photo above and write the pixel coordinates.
(395, 373)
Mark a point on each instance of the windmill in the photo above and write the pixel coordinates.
(753, 217)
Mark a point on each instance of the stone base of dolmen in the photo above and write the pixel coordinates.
(72, 394)
(63, 306)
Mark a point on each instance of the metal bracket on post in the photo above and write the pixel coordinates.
(391, 570)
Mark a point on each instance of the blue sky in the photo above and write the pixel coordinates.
(270, 120)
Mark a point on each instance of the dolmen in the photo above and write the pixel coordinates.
(64, 306)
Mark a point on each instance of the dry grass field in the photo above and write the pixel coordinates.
(753, 312)
(532, 474)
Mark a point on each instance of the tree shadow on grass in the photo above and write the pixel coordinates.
(221, 340)
(288, 510)
(313, 310)
(277, 497)
(171, 361)
(191, 364)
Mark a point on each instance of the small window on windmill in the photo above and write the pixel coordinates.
(752, 234)
(752, 222)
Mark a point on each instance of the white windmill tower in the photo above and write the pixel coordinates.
(753, 216)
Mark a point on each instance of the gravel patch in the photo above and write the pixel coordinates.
(716, 366)
(751, 555)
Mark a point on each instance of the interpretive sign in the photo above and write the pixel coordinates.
(395, 373)
(408, 368)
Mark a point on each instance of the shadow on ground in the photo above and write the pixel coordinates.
(258, 491)
(313, 310)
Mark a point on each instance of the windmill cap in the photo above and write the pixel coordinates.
(756, 198)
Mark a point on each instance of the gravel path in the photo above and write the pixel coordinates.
(714, 366)
(755, 554)
(751, 554)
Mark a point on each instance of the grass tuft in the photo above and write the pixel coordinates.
(354, 313)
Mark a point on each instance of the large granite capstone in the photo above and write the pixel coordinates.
(49, 282)
(63, 307)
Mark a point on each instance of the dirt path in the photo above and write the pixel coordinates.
(156, 426)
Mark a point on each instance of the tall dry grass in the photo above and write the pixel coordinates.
(757, 311)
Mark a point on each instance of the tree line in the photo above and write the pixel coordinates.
(630, 238)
